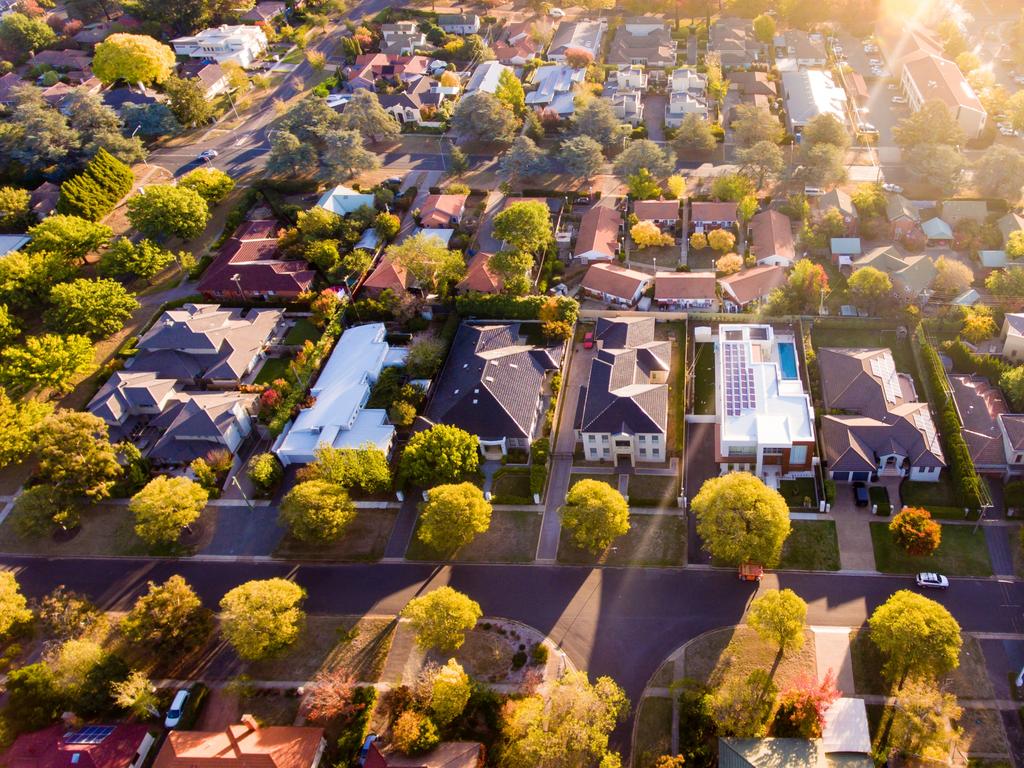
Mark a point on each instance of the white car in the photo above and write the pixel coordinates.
(892, 86)
(892, 188)
(208, 154)
(1006, 130)
(932, 580)
(177, 709)
(898, 99)
(556, 13)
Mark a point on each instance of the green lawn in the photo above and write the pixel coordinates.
(961, 553)
(364, 540)
(512, 538)
(653, 540)
(704, 379)
(612, 480)
(939, 497)
(511, 486)
(653, 490)
(273, 368)
(880, 495)
(795, 492)
(303, 330)
(812, 546)
(653, 730)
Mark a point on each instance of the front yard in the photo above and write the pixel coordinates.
(363, 541)
(799, 492)
(512, 538)
(939, 497)
(812, 546)
(653, 490)
(511, 486)
(653, 540)
(961, 553)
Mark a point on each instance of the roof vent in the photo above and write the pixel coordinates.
(488, 378)
(475, 401)
(456, 391)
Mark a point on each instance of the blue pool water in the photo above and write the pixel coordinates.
(787, 360)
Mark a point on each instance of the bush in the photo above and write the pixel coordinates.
(539, 654)
(519, 660)
(95, 192)
(265, 471)
(354, 734)
(501, 307)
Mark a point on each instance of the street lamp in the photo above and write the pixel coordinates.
(234, 480)
(144, 160)
(237, 280)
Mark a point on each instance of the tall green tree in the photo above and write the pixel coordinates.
(15, 210)
(741, 520)
(49, 361)
(68, 236)
(23, 35)
(94, 308)
(524, 225)
(694, 135)
(441, 618)
(932, 124)
(753, 124)
(212, 184)
(76, 456)
(429, 261)
(917, 636)
(169, 211)
(596, 118)
(581, 156)
(482, 116)
(453, 516)
(262, 618)
(643, 153)
(870, 288)
(596, 514)
(524, 159)
(126, 258)
(168, 619)
(365, 115)
(165, 507)
(999, 173)
(779, 617)
(317, 511)
(443, 453)
(19, 422)
(289, 156)
(36, 135)
(510, 92)
(365, 468)
(187, 101)
(14, 610)
(761, 161)
(345, 155)
(133, 59)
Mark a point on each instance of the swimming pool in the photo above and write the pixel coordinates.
(787, 360)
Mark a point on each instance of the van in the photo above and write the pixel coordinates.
(814, 191)
(177, 709)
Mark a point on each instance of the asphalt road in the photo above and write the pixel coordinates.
(618, 622)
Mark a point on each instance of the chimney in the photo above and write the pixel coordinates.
(250, 722)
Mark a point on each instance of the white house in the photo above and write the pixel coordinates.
(486, 77)
(459, 23)
(338, 416)
(686, 96)
(241, 43)
(342, 200)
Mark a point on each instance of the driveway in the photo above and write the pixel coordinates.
(654, 115)
(700, 466)
(852, 528)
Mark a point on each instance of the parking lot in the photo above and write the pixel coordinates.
(881, 112)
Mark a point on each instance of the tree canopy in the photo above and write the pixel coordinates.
(428, 260)
(441, 618)
(779, 616)
(262, 618)
(168, 619)
(595, 514)
(917, 636)
(524, 225)
(165, 210)
(165, 506)
(94, 308)
(132, 58)
(317, 511)
(453, 516)
(741, 520)
(443, 453)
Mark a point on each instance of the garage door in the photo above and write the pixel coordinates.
(864, 476)
(841, 477)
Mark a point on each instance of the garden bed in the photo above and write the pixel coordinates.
(363, 541)
(961, 553)
(512, 538)
(653, 540)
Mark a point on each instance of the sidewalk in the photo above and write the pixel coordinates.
(832, 653)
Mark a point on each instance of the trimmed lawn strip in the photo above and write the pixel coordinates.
(359, 645)
(303, 330)
(273, 368)
(653, 490)
(512, 538)
(939, 498)
(511, 486)
(106, 529)
(1013, 533)
(879, 495)
(612, 480)
(969, 681)
(812, 546)
(653, 540)
(653, 730)
(363, 541)
(961, 553)
(704, 379)
(739, 651)
(795, 492)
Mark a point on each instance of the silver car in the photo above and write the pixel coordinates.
(932, 580)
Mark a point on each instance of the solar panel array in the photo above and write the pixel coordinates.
(927, 426)
(740, 392)
(885, 369)
(91, 734)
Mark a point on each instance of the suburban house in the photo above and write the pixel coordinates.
(245, 744)
(371, 67)
(628, 105)
(911, 276)
(479, 276)
(495, 385)
(419, 102)
(63, 60)
(582, 35)
(772, 235)
(387, 276)
(764, 417)
(486, 76)
(342, 200)
(687, 96)
(804, 49)
(845, 250)
(518, 46)
(12, 243)
(707, 216)
(937, 232)
(447, 754)
(1012, 428)
(750, 286)
(443, 210)
(1012, 335)
(810, 93)
(265, 12)
(210, 78)
(686, 291)
(44, 199)
(753, 84)
(598, 238)
(904, 218)
(459, 23)
(553, 89)
(615, 284)
(624, 412)
(92, 746)
(957, 211)
(843, 203)
(248, 267)
(8, 83)
(1010, 223)
(402, 38)
(992, 434)
(733, 40)
(643, 40)
(664, 213)
(927, 77)
(338, 416)
(884, 429)
(240, 43)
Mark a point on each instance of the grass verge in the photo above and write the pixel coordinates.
(653, 540)
(653, 730)
(364, 540)
(961, 553)
(512, 538)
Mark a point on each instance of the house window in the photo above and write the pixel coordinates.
(592, 438)
(654, 438)
(772, 452)
(643, 453)
(798, 454)
(605, 452)
(1018, 459)
(642, 438)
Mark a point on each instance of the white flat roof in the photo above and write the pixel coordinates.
(812, 92)
(767, 410)
(846, 727)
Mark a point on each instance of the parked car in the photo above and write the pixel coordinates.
(365, 749)
(898, 99)
(932, 580)
(177, 708)
(208, 154)
(892, 188)
(588, 340)
(814, 191)
(556, 13)
(860, 495)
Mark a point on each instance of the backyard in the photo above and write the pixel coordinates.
(704, 379)
(961, 553)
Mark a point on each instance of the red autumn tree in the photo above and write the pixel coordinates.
(801, 712)
(578, 58)
(332, 695)
(914, 530)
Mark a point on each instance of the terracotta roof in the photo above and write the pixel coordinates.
(772, 233)
(49, 748)
(251, 254)
(388, 275)
(980, 405)
(69, 58)
(241, 745)
(479, 276)
(648, 210)
(599, 231)
(744, 287)
(713, 212)
(614, 280)
(684, 285)
(439, 210)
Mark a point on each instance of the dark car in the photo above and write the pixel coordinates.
(860, 495)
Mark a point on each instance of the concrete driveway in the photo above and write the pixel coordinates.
(852, 528)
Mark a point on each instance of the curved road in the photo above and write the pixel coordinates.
(611, 621)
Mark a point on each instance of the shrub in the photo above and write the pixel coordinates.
(914, 530)
(539, 654)
(95, 192)
(498, 306)
(414, 733)
(265, 471)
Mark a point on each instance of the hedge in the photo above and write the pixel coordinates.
(96, 191)
(966, 361)
(352, 738)
(501, 307)
(966, 482)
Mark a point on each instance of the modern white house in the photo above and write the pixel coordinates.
(763, 414)
(687, 96)
(338, 416)
(241, 43)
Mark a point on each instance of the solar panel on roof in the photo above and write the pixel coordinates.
(91, 734)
